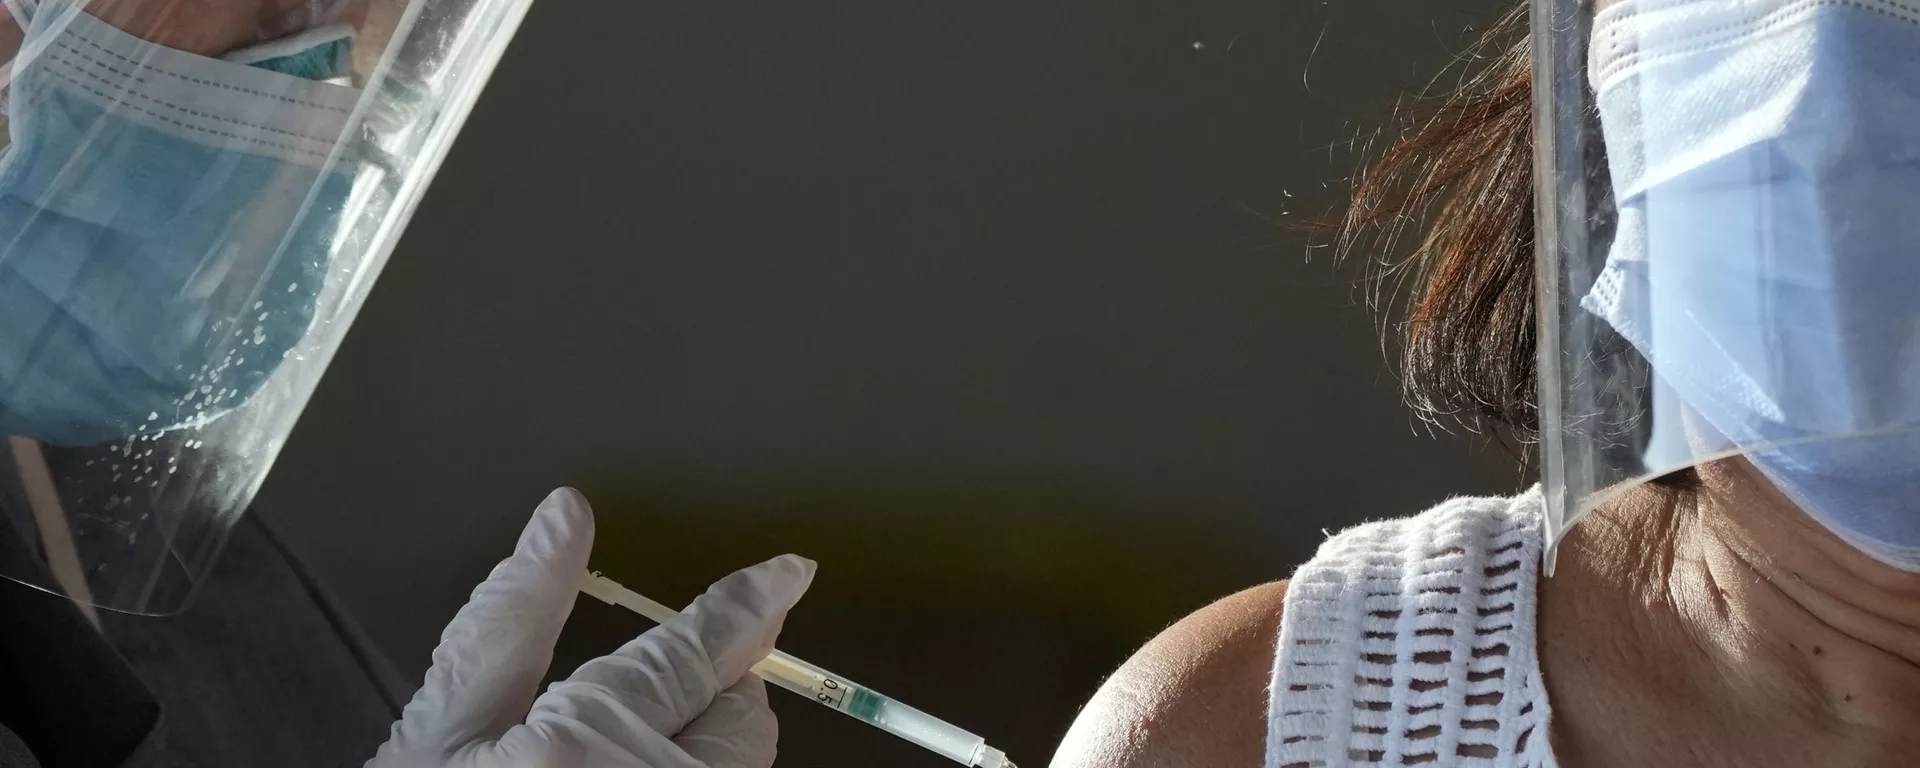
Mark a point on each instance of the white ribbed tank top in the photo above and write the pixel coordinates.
(1411, 642)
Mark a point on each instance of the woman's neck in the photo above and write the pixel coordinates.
(1725, 617)
(1849, 625)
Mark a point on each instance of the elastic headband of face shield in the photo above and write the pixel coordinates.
(1728, 254)
(191, 210)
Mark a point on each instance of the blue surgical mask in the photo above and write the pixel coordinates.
(1766, 168)
(165, 221)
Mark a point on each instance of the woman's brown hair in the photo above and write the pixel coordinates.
(1463, 175)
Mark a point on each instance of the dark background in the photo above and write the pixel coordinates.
(986, 305)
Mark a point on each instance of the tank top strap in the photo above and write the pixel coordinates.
(1411, 642)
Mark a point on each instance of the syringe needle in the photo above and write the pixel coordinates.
(852, 699)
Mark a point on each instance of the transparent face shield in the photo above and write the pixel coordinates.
(195, 198)
(1730, 255)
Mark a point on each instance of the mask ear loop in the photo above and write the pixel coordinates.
(23, 8)
(20, 13)
(34, 38)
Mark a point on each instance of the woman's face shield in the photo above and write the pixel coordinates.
(1729, 255)
(194, 201)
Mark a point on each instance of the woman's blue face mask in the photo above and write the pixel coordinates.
(164, 226)
(1766, 169)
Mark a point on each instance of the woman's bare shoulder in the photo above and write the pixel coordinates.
(1195, 696)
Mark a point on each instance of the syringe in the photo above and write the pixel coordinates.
(855, 700)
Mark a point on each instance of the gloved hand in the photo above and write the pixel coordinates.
(679, 696)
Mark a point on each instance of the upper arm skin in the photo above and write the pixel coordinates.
(1193, 697)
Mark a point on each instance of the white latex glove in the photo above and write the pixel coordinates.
(678, 696)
